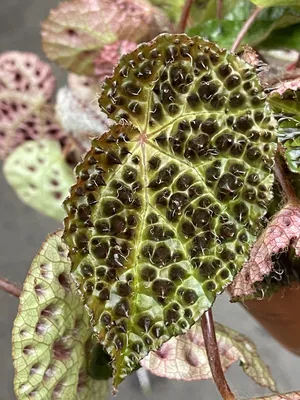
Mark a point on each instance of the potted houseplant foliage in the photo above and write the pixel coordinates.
(185, 143)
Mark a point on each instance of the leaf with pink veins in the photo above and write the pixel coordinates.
(26, 85)
(281, 233)
(184, 357)
(75, 31)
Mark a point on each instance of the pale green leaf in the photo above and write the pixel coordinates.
(40, 176)
(51, 332)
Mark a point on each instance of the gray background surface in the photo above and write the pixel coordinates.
(23, 230)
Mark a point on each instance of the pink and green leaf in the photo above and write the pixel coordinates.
(51, 333)
(184, 357)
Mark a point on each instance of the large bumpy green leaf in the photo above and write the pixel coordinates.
(168, 202)
(40, 175)
(52, 334)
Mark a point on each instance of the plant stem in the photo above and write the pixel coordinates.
(212, 351)
(283, 180)
(9, 287)
(185, 15)
(219, 9)
(245, 28)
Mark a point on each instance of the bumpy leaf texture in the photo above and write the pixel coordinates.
(281, 233)
(51, 333)
(26, 84)
(168, 203)
(184, 357)
(40, 175)
(76, 31)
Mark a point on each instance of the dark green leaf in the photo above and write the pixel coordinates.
(268, 23)
(286, 38)
(168, 203)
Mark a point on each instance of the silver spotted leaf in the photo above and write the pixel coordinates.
(40, 175)
(168, 202)
(53, 351)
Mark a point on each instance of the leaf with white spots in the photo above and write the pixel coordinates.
(184, 357)
(52, 334)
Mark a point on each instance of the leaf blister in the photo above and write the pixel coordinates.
(198, 180)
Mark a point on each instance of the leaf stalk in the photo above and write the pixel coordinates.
(212, 351)
(9, 287)
(283, 180)
(185, 15)
(219, 9)
(245, 28)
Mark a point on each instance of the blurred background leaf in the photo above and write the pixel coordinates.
(263, 31)
(39, 174)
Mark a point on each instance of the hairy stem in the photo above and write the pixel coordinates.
(9, 287)
(219, 9)
(185, 15)
(212, 351)
(245, 28)
(283, 180)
